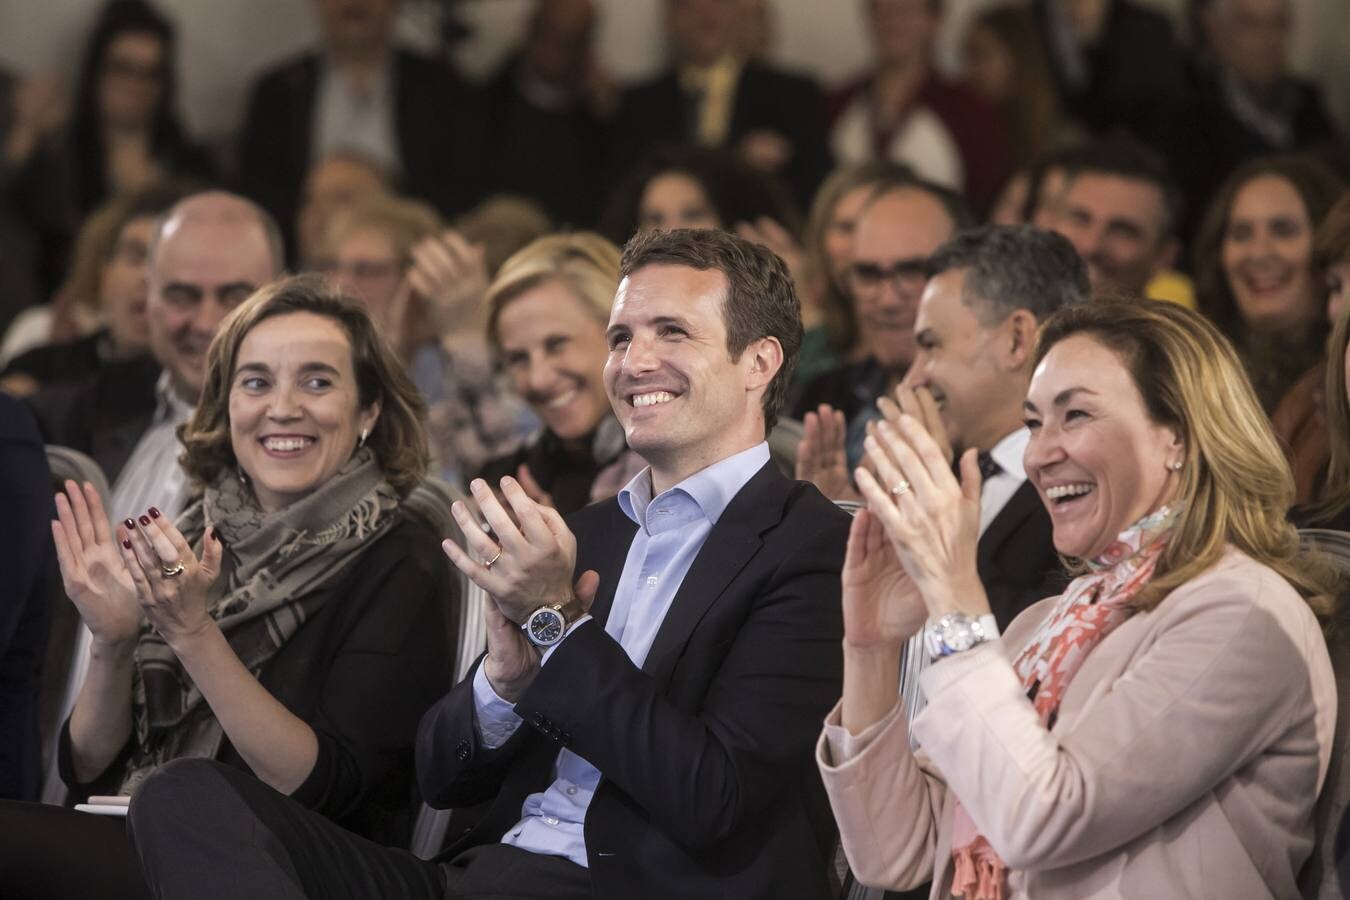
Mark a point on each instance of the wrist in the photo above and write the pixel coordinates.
(191, 641)
(114, 650)
(510, 687)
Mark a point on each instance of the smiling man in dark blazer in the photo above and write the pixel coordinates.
(657, 665)
(988, 290)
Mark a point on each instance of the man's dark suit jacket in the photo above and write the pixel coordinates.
(656, 112)
(28, 566)
(438, 124)
(104, 415)
(1016, 557)
(708, 788)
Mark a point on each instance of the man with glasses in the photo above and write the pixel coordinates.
(901, 225)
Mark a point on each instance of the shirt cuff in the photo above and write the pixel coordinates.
(494, 719)
(570, 628)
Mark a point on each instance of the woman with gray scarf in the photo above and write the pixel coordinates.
(292, 623)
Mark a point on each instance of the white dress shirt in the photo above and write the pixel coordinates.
(152, 475)
(997, 491)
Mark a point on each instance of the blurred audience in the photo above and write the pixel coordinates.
(125, 134)
(410, 116)
(331, 185)
(1004, 60)
(1119, 207)
(547, 108)
(548, 309)
(99, 315)
(209, 253)
(29, 563)
(715, 97)
(292, 624)
(1046, 749)
(831, 332)
(1256, 273)
(905, 112)
(899, 227)
(1116, 64)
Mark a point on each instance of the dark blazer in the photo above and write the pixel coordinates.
(1016, 557)
(437, 123)
(706, 749)
(655, 112)
(361, 672)
(28, 564)
(104, 415)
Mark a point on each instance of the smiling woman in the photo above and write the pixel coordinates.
(1136, 735)
(292, 623)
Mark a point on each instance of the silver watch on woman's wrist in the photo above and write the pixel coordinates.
(956, 632)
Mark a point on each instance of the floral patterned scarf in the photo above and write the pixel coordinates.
(1092, 606)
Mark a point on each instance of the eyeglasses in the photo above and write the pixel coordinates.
(906, 276)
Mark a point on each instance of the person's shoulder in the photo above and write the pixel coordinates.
(1239, 592)
(17, 423)
(779, 78)
(289, 72)
(663, 82)
(599, 517)
(420, 67)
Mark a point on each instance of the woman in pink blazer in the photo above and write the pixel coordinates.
(1162, 728)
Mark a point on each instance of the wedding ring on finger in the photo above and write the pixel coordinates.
(495, 557)
(900, 489)
(172, 571)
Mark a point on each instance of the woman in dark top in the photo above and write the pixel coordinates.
(125, 133)
(1330, 507)
(547, 312)
(293, 623)
(1256, 276)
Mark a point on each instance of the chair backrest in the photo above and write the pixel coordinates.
(430, 501)
(1319, 877)
(68, 641)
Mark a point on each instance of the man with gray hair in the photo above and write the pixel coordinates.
(987, 293)
(208, 254)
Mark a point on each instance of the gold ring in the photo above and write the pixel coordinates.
(488, 564)
(900, 489)
(171, 571)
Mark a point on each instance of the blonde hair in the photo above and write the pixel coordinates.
(398, 438)
(404, 222)
(585, 262)
(1236, 487)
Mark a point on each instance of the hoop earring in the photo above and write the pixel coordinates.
(365, 433)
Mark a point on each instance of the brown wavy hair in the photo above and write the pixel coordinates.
(398, 438)
(1236, 486)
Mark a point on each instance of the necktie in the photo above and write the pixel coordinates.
(988, 468)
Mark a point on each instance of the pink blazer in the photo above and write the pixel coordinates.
(1185, 761)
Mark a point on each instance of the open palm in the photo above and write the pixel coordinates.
(882, 606)
(93, 572)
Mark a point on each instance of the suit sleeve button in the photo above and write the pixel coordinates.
(463, 750)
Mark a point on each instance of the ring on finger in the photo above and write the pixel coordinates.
(495, 557)
(172, 571)
(900, 489)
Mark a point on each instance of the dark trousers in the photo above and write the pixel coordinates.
(52, 853)
(204, 830)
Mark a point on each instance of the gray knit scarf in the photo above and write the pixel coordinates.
(273, 568)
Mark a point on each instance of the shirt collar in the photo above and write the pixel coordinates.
(711, 488)
(168, 405)
(1008, 452)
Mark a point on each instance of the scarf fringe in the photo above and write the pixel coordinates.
(977, 876)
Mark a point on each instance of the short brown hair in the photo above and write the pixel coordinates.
(760, 302)
(1235, 487)
(398, 439)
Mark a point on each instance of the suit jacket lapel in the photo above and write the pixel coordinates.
(731, 543)
(611, 552)
(1020, 506)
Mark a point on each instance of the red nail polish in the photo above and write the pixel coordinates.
(130, 523)
(154, 513)
(126, 544)
(145, 521)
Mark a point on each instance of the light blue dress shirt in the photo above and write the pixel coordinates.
(671, 531)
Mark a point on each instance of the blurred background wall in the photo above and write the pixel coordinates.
(225, 43)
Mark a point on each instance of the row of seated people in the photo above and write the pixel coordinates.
(551, 126)
(673, 650)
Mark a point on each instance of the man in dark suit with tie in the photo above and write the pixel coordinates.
(657, 665)
(988, 290)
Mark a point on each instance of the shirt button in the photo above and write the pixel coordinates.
(651, 581)
(571, 792)
(550, 820)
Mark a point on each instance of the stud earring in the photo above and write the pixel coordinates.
(365, 433)
(243, 477)
(1175, 465)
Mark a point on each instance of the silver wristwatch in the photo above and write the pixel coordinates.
(956, 632)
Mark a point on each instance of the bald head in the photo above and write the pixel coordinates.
(209, 253)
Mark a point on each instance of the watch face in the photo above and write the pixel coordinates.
(545, 627)
(959, 636)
